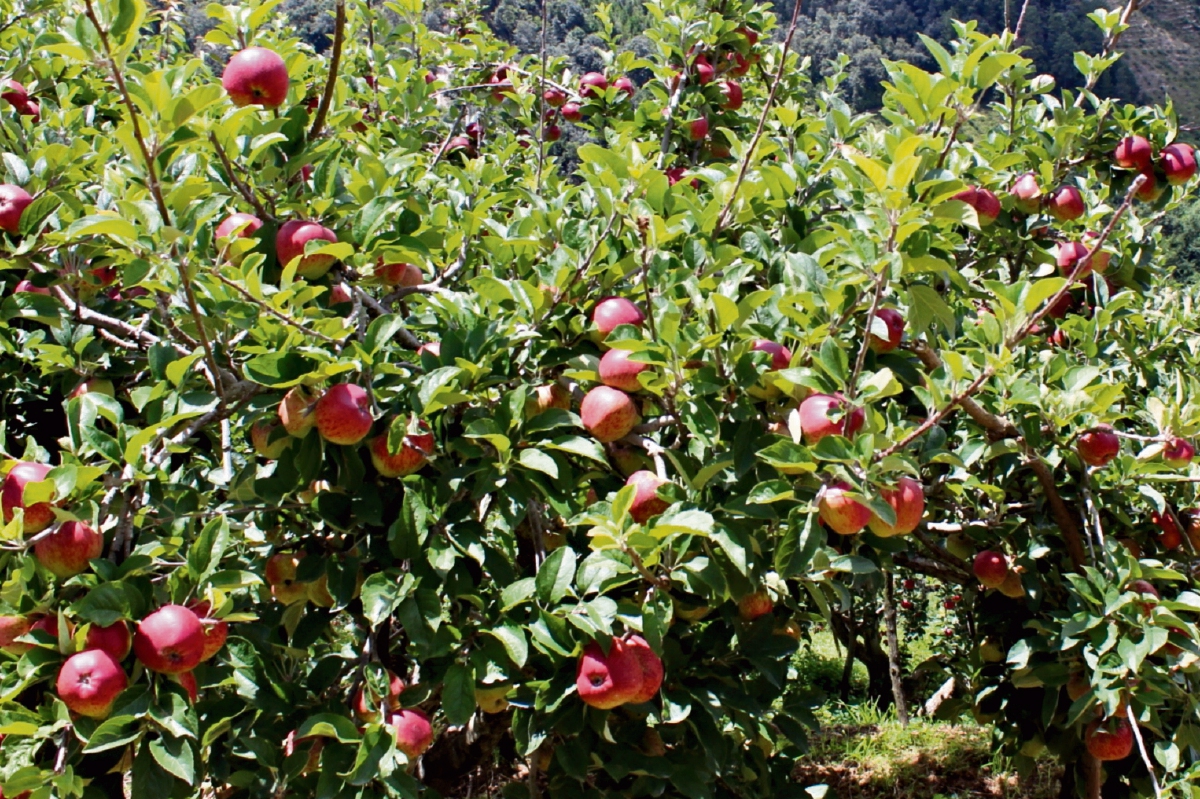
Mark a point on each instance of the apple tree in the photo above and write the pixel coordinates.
(363, 439)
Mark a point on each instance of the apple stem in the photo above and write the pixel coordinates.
(723, 217)
(335, 60)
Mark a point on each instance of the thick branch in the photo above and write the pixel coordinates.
(335, 60)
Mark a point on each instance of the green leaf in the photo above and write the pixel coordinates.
(104, 224)
(329, 725)
(539, 461)
(175, 756)
(382, 595)
(513, 640)
(279, 369)
(555, 575)
(682, 522)
(458, 694)
(113, 732)
(206, 552)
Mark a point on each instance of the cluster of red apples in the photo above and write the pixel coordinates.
(628, 673)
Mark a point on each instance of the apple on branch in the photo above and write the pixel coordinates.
(608, 414)
(170, 640)
(39, 515)
(67, 551)
(840, 512)
(646, 501)
(256, 76)
(343, 414)
(607, 680)
(89, 682)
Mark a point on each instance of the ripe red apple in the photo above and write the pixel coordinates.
(406, 275)
(115, 639)
(617, 371)
(571, 112)
(460, 144)
(738, 65)
(170, 640)
(991, 568)
(752, 606)
(697, 129)
(1109, 740)
(546, 397)
(260, 438)
(413, 732)
(1133, 152)
(646, 502)
(895, 327)
(1178, 453)
(1098, 446)
(608, 414)
(256, 75)
(1178, 162)
(555, 98)
(414, 453)
(1150, 189)
(1071, 252)
(27, 287)
(14, 93)
(434, 348)
(39, 515)
(89, 682)
(369, 711)
(66, 551)
(551, 133)
(293, 235)
(215, 630)
(592, 85)
(817, 418)
(608, 680)
(12, 628)
(781, 356)
(611, 312)
(1065, 204)
(908, 501)
(280, 574)
(910, 584)
(13, 202)
(703, 70)
(841, 513)
(1170, 536)
(732, 96)
(188, 680)
(652, 669)
(340, 293)
(624, 85)
(343, 414)
(1144, 587)
(296, 412)
(239, 225)
(1027, 194)
(677, 173)
(985, 203)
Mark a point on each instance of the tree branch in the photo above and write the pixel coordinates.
(335, 60)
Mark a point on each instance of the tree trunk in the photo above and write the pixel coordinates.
(889, 612)
(861, 639)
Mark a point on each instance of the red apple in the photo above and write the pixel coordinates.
(280, 574)
(188, 680)
(731, 94)
(239, 225)
(1065, 204)
(434, 348)
(555, 98)
(340, 293)
(30, 109)
(38, 516)
(1071, 252)
(406, 275)
(1098, 446)
(1144, 587)
(908, 501)
(215, 630)
(343, 414)
(1170, 536)
(752, 606)
(89, 682)
(697, 129)
(14, 93)
(985, 203)
(115, 639)
(413, 732)
(1178, 453)
(49, 625)
(841, 513)
(817, 418)
(611, 312)
(1133, 152)
(546, 397)
(608, 680)
(646, 502)
(592, 85)
(256, 76)
(1150, 189)
(12, 628)
(750, 34)
(296, 412)
(617, 371)
(551, 133)
(781, 356)
(67, 551)
(652, 669)
(290, 241)
(703, 70)
(460, 144)
(895, 327)
(27, 287)
(991, 568)
(170, 640)
(1027, 195)
(1178, 162)
(261, 439)
(1109, 740)
(738, 65)
(608, 414)
(624, 85)
(370, 711)
(13, 202)
(572, 112)
(414, 453)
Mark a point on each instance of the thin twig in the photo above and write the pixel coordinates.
(287, 320)
(239, 184)
(542, 101)
(1137, 734)
(335, 60)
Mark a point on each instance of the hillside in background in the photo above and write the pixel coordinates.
(1163, 51)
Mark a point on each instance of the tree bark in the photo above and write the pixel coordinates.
(889, 613)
